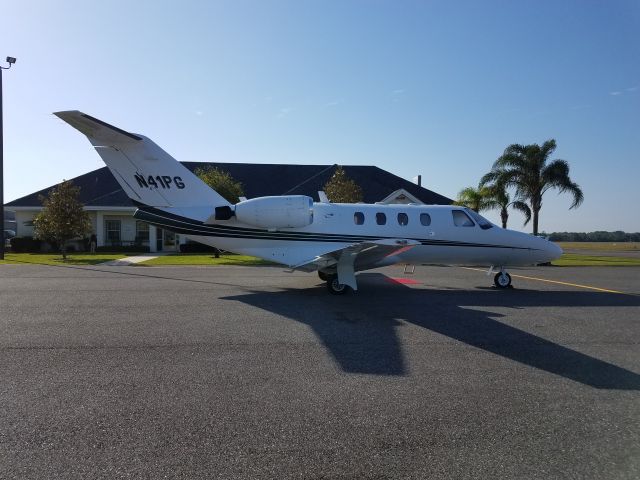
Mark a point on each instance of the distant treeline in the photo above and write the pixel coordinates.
(594, 237)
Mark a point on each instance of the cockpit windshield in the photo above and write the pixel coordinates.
(480, 220)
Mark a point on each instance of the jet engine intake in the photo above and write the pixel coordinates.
(224, 213)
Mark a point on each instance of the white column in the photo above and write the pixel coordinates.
(182, 239)
(100, 228)
(153, 236)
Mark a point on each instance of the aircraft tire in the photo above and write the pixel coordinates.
(336, 288)
(323, 275)
(502, 280)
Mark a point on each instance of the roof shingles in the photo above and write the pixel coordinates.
(100, 189)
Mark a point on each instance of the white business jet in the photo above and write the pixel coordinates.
(336, 240)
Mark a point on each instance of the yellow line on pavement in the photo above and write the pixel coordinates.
(588, 287)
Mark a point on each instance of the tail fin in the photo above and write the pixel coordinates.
(148, 174)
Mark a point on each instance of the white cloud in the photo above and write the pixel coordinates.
(625, 91)
(397, 92)
(284, 112)
(333, 103)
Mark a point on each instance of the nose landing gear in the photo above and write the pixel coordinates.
(502, 279)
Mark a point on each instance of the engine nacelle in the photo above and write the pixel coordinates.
(276, 212)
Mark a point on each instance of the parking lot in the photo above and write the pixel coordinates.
(252, 372)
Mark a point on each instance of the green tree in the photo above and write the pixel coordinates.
(500, 199)
(222, 182)
(62, 217)
(341, 189)
(476, 199)
(527, 169)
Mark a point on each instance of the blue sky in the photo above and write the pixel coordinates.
(434, 88)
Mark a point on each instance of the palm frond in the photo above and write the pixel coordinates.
(556, 175)
(509, 160)
(548, 148)
(524, 209)
(554, 171)
(474, 198)
(576, 192)
(491, 205)
(490, 177)
(515, 149)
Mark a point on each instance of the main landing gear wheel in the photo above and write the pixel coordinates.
(335, 287)
(502, 280)
(323, 276)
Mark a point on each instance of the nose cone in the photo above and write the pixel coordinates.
(551, 250)
(542, 250)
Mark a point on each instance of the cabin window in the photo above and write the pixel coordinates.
(381, 218)
(425, 219)
(480, 220)
(403, 219)
(461, 219)
(358, 218)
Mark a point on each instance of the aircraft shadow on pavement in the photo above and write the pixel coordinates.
(360, 330)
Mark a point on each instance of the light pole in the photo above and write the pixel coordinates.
(10, 61)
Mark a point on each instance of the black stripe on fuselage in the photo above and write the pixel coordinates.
(198, 229)
(187, 226)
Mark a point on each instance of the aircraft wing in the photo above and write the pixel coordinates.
(358, 256)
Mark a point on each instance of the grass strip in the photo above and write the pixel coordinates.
(56, 258)
(577, 260)
(601, 246)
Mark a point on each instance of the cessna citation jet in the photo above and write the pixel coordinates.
(336, 240)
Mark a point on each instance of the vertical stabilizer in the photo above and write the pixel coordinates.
(148, 174)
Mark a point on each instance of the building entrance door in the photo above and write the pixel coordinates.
(166, 240)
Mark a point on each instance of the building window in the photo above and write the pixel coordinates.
(358, 218)
(403, 219)
(142, 232)
(112, 231)
(461, 219)
(381, 218)
(425, 219)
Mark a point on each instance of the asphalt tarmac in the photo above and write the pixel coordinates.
(249, 372)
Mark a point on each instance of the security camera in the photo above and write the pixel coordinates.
(11, 60)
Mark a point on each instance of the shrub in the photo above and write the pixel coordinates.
(198, 248)
(25, 245)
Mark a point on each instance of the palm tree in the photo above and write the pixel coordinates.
(525, 168)
(501, 200)
(475, 198)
